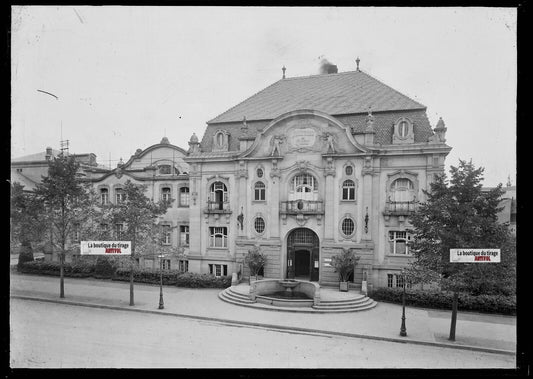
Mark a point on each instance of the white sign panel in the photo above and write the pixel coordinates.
(105, 247)
(475, 255)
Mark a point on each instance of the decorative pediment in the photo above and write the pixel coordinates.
(301, 132)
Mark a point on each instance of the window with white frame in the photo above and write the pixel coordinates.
(119, 231)
(402, 190)
(399, 242)
(167, 235)
(120, 195)
(165, 264)
(218, 270)
(259, 191)
(218, 194)
(104, 196)
(348, 190)
(304, 183)
(183, 265)
(218, 236)
(403, 129)
(259, 225)
(166, 194)
(184, 197)
(396, 280)
(347, 227)
(184, 235)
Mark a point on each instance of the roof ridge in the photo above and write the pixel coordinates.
(248, 98)
(395, 90)
(312, 76)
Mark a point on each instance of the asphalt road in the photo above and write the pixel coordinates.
(52, 335)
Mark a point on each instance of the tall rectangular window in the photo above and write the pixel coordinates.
(184, 235)
(104, 196)
(399, 242)
(183, 265)
(390, 280)
(218, 236)
(120, 195)
(119, 231)
(165, 194)
(184, 197)
(165, 264)
(167, 235)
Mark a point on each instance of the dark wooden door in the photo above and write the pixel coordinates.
(301, 263)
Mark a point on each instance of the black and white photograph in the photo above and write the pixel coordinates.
(253, 187)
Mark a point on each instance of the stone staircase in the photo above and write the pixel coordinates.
(331, 302)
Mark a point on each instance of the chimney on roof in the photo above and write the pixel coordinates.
(48, 153)
(326, 67)
(357, 62)
(283, 69)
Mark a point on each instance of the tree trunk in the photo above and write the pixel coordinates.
(454, 316)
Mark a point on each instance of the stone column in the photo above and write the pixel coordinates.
(273, 200)
(329, 206)
(242, 199)
(366, 203)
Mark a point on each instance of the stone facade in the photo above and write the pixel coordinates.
(303, 169)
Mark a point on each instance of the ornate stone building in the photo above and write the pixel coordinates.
(303, 169)
(307, 167)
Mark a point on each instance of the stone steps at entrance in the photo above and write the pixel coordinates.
(333, 302)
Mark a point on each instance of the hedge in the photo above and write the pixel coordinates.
(103, 269)
(443, 300)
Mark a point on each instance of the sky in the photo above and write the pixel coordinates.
(112, 79)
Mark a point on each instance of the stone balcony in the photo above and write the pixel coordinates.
(400, 208)
(214, 207)
(305, 207)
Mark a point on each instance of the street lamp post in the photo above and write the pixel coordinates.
(161, 303)
(403, 330)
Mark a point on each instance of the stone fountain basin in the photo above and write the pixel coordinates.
(261, 291)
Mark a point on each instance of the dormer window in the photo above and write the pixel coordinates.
(403, 131)
(220, 140)
(165, 170)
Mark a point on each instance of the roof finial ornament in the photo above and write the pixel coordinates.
(357, 61)
(283, 69)
(244, 126)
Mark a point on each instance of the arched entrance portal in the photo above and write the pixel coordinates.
(303, 255)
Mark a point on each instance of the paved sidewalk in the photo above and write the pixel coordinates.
(490, 333)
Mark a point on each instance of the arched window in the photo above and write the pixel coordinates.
(259, 191)
(120, 195)
(402, 190)
(304, 183)
(403, 129)
(184, 196)
(218, 195)
(165, 194)
(104, 196)
(219, 236)
(348, 190)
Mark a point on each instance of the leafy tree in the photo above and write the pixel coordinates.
(65, 202)
(138, 214)
(344, 263)
(461, 215)
(26, 228)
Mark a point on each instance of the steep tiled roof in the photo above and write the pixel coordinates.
(342, 93)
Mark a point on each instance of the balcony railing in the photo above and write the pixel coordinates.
(217, 207)
(400, 207)
(310, 207)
